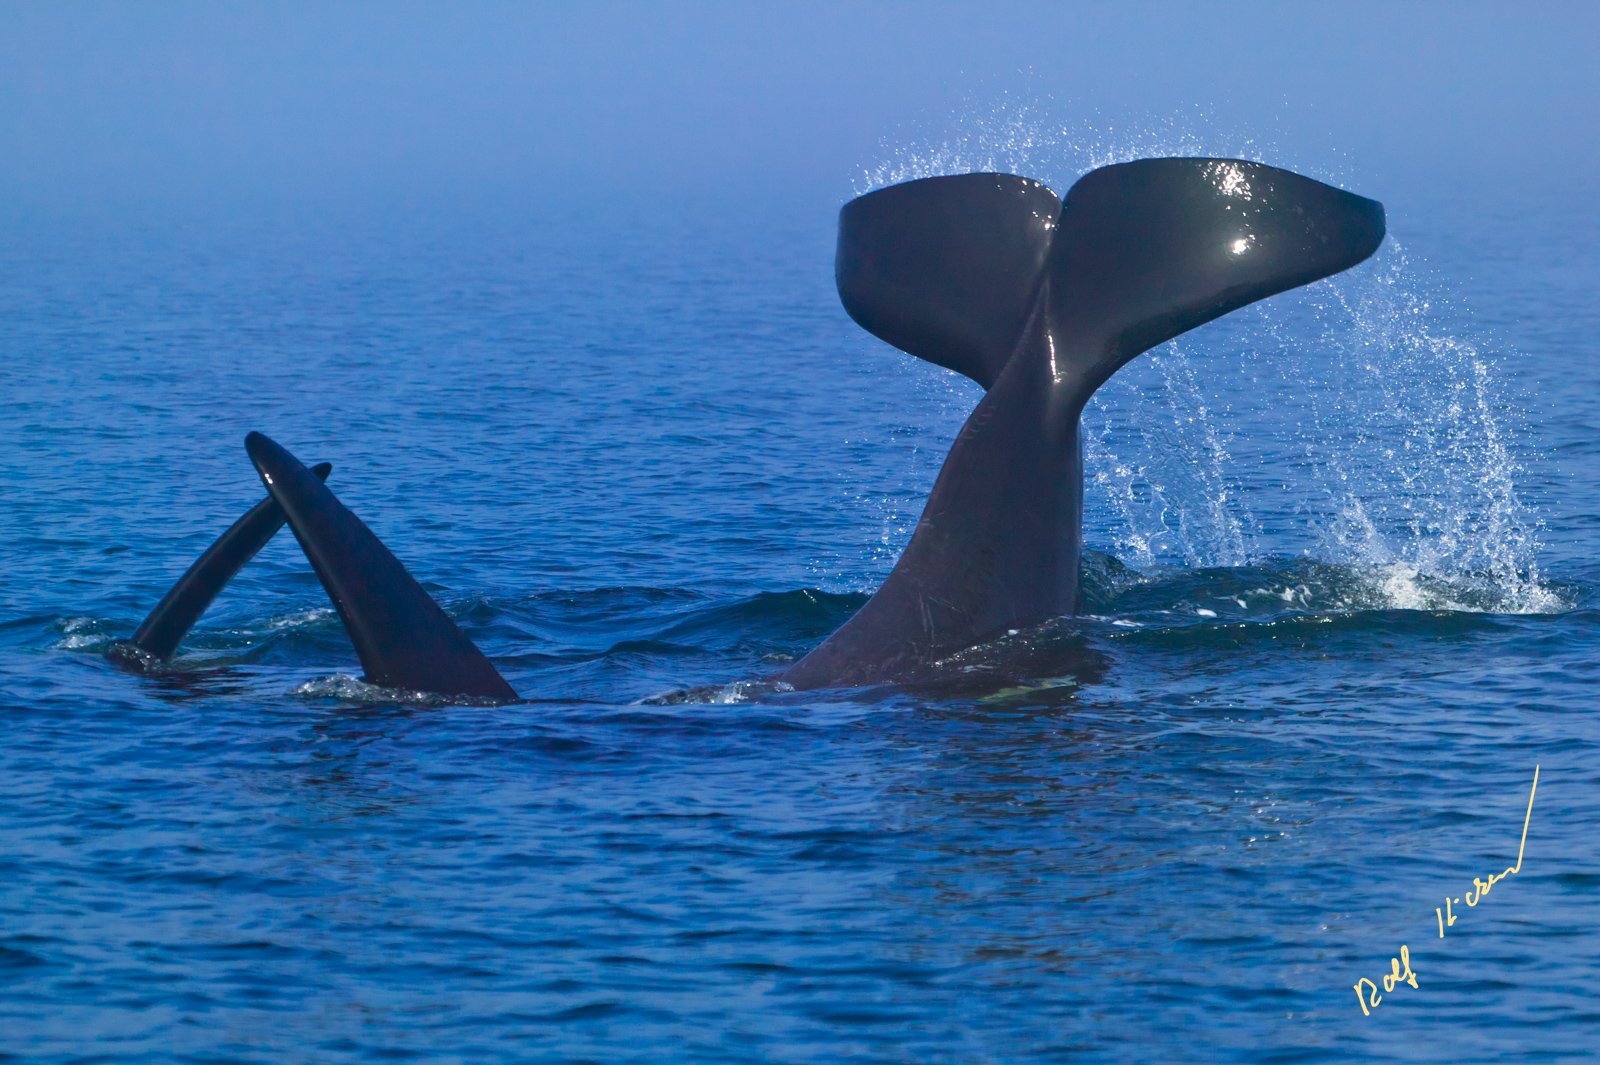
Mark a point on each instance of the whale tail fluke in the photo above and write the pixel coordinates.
(953, 269)
(158, 637)
(1040, 303)
(403, 638)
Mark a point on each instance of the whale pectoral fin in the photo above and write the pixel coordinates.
(201, 583)
(946, 268)
(403, 638)
(1150, 249)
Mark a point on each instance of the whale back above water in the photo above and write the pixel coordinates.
(1036, 298)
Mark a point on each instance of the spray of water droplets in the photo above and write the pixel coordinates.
(1346, 421)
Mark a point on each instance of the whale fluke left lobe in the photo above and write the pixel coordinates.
(403, 638)
(200, 584)
(946, 268)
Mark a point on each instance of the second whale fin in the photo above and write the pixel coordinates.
(201, 583)
(403, 638)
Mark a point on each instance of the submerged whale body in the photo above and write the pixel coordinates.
(1036, 298)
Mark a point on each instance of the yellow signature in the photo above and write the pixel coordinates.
(1400, 971)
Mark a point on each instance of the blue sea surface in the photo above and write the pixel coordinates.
(1341, 602)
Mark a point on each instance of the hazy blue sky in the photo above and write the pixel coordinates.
(110, 102)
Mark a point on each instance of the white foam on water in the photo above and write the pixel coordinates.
(296, 620)
(743, 691)
(83, 643)
(345, 688)
(83, 634)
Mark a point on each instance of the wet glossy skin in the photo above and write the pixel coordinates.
(1140, 253)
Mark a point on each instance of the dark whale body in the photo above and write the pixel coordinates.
(1037, 299)
(1041, 301)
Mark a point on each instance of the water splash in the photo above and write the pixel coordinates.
(344, 688)
(84, 634)
(1161, 475)
(1028, 138)
(1380, 439)
(738, 692)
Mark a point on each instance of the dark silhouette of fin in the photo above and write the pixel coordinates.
(199, 586)
(1041, 315)
(403, 638)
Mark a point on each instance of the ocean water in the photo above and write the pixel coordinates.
(1341, 603)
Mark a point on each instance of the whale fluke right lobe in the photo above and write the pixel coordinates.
(403, 638)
